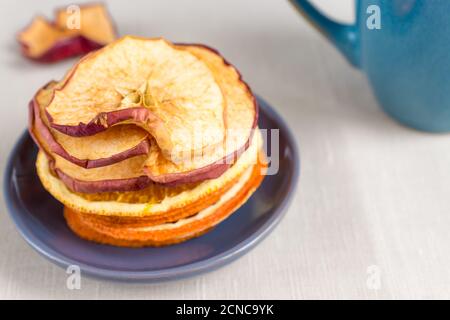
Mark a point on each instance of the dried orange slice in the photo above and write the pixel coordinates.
(144, 233)
(112, 205)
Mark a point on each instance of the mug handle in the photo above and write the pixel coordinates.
(344, 37)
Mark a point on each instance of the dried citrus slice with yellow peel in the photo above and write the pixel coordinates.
(112, 205)
(144, 233)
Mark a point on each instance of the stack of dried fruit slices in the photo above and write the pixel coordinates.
(147, 143)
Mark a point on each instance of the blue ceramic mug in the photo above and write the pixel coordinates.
(404, 48)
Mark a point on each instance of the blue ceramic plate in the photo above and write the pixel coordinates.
(40, 221)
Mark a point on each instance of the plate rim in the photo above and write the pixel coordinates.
(173, 273)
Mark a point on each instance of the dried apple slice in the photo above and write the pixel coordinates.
(122, 176)
(95, 23)
(240, 116)
(169, 92)
(125, 175)
(111, 146)
(46, 41)
(42, 41)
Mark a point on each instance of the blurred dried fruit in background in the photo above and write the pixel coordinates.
(76, 30)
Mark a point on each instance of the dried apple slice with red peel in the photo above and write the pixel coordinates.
(122, 176)
(111, 146)
(187, 100)
(42, 41)
(40, 36)
(240, 116)
(95, 23)
(45, 41)
(125, 175)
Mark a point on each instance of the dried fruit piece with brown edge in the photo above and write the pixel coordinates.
(111, 146)
(240, 116)
(46, 41)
